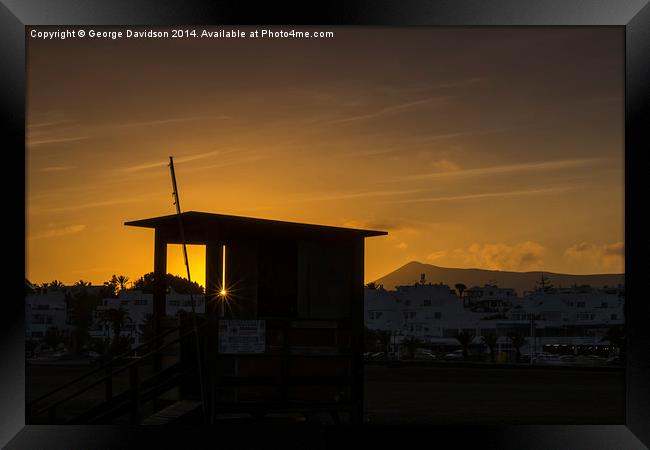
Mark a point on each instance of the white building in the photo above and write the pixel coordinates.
(44, 311)
(382, 311)
(139, 308)
(433, 313)
(490, 298)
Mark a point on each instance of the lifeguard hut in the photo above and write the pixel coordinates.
(283, 328)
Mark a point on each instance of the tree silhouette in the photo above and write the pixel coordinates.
(411, 344)
(179, 284)
(517, 341)
(56, 285)
(116, 319)
(82, 285)
(384, 339)
(615, 335)
(465, 339)
(53, 337)
(376, 340)
(80, 306)
(146, 329)
(110, 288)
(121, 281)
(460, 287)
(490, 340)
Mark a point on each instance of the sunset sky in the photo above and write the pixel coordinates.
(492, 148)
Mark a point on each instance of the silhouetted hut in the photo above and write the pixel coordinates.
(284, 311)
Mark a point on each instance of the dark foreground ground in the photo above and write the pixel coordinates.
(449, 394)
(483, 395)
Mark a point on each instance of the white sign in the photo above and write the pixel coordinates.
(242, 336)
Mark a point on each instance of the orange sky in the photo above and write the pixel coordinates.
(473, 147)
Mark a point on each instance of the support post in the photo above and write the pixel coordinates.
(160, 282)
(357, 317)
(213, 273)
(159, 296)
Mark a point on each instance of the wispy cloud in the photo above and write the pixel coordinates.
(408, 142)
(80, 206)
(606, 256)
(392, 224)
(446, 165)
(56, 232)
(165, 162)
(486, 195)
(57, 168)
(344, 196)
(167, 121)
(509, 168)
(47, 124)
(31, 143)
(389, 110)
(457, 134)
(232, 162)
(430, 86)
(526, 255)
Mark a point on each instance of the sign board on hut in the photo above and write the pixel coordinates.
(242, 336)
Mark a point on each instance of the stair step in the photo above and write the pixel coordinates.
(172, 412)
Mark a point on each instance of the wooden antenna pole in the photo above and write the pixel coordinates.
(177, 202)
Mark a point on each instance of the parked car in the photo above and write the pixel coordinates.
(425, 355)
(455, 355)
(614, 361)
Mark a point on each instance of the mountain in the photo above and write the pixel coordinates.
(520, 281)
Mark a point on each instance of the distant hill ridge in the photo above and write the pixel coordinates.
(520, 281)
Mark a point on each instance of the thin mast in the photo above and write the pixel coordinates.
(177, 202)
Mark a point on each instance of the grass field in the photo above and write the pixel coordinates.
(441, 394)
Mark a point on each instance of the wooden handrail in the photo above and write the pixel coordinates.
(286, 324)
(115, 372)
(100, 368)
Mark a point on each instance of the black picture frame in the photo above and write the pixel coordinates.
(633, 15)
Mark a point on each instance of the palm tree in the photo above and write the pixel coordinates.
(116, 318)
(121, 281)
(460, 288)
(82, 284)
(110, 288)
(517, 341)
(56, 285)
(465, 339)
(490, 340)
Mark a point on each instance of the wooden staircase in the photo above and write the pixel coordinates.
(140, 399)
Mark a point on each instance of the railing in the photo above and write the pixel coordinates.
(107, 378)
(102, 367)
(140, 390)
